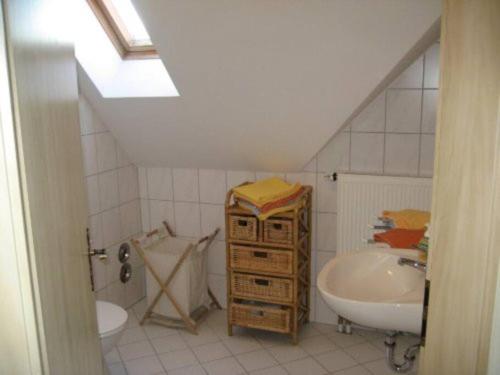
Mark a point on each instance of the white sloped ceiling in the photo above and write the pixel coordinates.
(263, 83)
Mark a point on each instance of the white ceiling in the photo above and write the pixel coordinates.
(263, 84)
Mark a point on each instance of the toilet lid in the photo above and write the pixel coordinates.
(110, 317)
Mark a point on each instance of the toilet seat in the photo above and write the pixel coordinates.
(110, 318)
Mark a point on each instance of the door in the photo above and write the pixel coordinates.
(465, 240)
(44, 96)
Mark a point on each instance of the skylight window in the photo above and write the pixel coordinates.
(124, 27)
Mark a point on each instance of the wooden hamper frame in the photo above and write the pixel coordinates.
(190, 322)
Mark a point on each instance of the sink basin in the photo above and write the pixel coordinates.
(369, 288)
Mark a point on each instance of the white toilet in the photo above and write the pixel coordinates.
(111, 320)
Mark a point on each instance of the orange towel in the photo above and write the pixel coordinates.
(408, 218)
(400, 238)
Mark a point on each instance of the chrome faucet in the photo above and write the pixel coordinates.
(412, 263)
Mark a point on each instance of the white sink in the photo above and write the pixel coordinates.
(369, 288)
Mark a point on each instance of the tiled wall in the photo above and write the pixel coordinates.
(113, 207)
(394, 135)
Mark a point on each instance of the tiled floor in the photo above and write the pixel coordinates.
(156, 350)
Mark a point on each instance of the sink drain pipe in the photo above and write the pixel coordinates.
(409, 355)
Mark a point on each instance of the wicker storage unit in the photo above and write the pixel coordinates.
(269, 267)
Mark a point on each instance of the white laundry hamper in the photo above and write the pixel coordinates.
(189, 285)
(176, 278)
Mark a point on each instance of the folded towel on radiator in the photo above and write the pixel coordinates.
(400, 238)
(408, 218)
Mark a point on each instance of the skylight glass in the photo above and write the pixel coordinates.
(132, 22)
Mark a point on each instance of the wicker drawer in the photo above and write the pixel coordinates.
(261, 260)
(262, 287)
(275, 319)
(278, 231)
(243, 228)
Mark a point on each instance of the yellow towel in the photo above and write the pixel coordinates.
(408, 218)
(265, 191)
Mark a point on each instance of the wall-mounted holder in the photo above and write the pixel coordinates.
(124, 252)
(125, 272)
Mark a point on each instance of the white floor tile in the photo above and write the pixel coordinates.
(364, 352)
(225, 366)
(379, 367)
(344, 341)
(178, 359)
(205, 336)
(154, 331)
(117, 369)
(269, 339)
(287, 353)
(357, 370)
(308, 331)
(211, 352)
(317, 345)
(190, 370)
(306, 366)
(324, 328)
(257, 360)
(241, 344)
(144, 366)
(168, 343)
(335, 361)
(112, 357)
(277, 370)
(131, 335)
(136, 350)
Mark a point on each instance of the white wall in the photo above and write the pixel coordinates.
(394, 135)
(114, 209)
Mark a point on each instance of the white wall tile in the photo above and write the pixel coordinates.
(327, 232)
(427, 155)
(187, 219)
(335, 155)
(115, 293)
(128, 183)
(135, 288)
(212, 186)
(372, 118)
(106, 151)
(92, 195)
(305, 178)
(130, 216)
(412, 77)
(185, 185)
(322, 258)
(145, 218)
(263, 175)
(367, 152)
(235, 178)
(212, 217)
(160, 211)
(403, 111)
(218, 285)
(143, 183)
(431, 79)
(111, 230)
(401, 154)
(113, 265)
(159, 183)
(89, 154)
(95, 228)
(108, 189)
(323, 313)
(99, 273)
(217, 258)
(85, 112)
(429, 111)
(327, 195)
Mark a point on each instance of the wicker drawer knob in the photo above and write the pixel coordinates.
(260, 254)
(257, 313)
(242, 223)
(277, 226)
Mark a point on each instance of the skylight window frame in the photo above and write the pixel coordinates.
(117, 32)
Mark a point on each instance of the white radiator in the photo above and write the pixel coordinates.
(362, 198)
